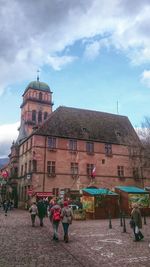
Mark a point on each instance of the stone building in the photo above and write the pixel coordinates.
(70, 148)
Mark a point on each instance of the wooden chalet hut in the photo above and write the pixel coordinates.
(100, 203)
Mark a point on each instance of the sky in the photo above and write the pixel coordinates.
(94, 54)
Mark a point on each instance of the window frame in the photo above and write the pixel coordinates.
(51, 142)
(120, 171)
(51, 168)
(73, 145)
(89, 169)
(90, 147)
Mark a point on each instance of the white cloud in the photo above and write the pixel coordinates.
(146, 77)
(29, 41)
(8, 134)
(58, 62)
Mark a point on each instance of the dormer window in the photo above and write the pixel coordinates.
(108, 149)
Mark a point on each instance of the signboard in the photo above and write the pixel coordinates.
(143, 200)
(88, 203)
(44, 194)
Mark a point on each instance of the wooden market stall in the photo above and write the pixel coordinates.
(131, 194)
(100, 203)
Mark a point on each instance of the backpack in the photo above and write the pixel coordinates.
(56, 215)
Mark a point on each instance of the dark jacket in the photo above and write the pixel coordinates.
(136, 216)
(41, 209)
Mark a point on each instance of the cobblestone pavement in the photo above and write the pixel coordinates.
(92, 243)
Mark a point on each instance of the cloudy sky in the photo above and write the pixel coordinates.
(94, 54)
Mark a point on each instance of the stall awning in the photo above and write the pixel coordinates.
(131, 189)
(98, 191)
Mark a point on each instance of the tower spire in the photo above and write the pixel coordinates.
(38, 78)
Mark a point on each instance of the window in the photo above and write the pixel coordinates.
(90, 168)
(120, 171)
(29, 166)
(74, 168)
(25, 171)
(27, 146)
(31, 143)
(51, 167)
(135, 173)
(15, 170)
(40, 96)
(72, 144)
(108, 149)
(89, 147)
(34, 165)
(40, 116)
(21, 170)
(45, 115)
(51, 142)
(34, 115)
(103, 161)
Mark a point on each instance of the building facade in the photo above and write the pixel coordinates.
(70, 149)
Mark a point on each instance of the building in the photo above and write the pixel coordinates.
(69, 149)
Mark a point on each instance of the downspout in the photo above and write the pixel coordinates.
(44, 166)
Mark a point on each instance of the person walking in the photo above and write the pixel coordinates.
(34, 211)
(137, 219)
(67, 217)
(6, 204)
(41, 210)
(55, 217)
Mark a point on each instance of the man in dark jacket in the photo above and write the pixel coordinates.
(41, 210)
(137, 218)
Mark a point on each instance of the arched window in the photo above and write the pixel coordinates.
(40, 116)
(40, 96)
(45, 115)
(34, 115)
(46, 96)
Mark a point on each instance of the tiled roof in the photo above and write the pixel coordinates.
(89, 125)
(131, 189)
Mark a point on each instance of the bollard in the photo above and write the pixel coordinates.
(144, 219)
(121, 219)
(110, 224)
(124, 224)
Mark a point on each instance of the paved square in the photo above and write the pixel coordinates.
(92, 243)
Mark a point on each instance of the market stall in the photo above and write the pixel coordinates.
(131, 194)
(100, 203)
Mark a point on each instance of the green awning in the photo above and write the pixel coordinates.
(98, 191)
(131, 189)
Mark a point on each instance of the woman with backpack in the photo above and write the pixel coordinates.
(55, 217)
(67, 217)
